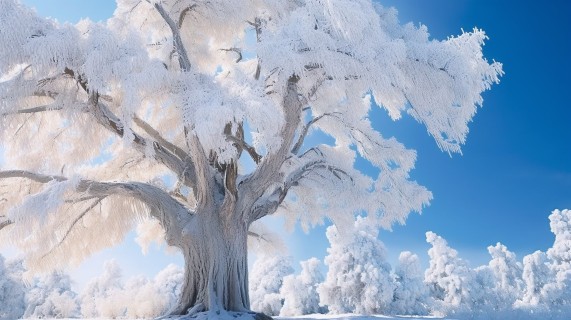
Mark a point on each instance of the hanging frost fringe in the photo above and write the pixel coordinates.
(35, 209)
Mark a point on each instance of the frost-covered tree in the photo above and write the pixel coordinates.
(535, 275)
(168, 283)
(300, 291)
(51, 296)
(559, 290)
(217, 97)
(358, 278)
(482, 300)
(144, 300)
(448, 277)
(111, 296)
(547, 276)
(102, 296)
(266, 280)
(411, 294)
(507, 274)
(12, 299)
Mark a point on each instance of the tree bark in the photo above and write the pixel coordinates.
(216, 265)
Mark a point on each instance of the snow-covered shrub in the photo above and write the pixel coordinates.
(558, 290)
(482, 297)
(507, 273)
(12, 303)
(448, 277)
(411, 294)
(168, 283)
(266, 279)
(51, 296)
(300, 291)
(547, 277)
(358, 279)
(138, 297)
(143, 299)
(102, 296)
(535, 275)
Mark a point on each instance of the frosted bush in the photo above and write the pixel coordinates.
(111, 296)
(52, 297)
(507, 273)
(300, 291)
(266, 280)
(558, 291)
(12, 303)
(448, 277)
(411, 294)
(358, 279)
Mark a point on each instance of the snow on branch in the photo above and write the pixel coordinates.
(170, 155)
(50, 207)
(178, 45)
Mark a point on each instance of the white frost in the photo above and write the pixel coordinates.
(358, 278)
(266, 280)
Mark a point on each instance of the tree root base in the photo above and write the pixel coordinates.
(222, 315)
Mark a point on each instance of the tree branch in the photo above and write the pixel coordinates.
(267, 171)
(257, 236)
(171, 156)
(270, 204)
(237, 50)
(170, 212)
(183, 14)
(82, 82)
(304, 132)
(4, 224)
(177, 151)
(203, 182)
(257, 24)
(37, 177)
(31, 110)
(178, 45)
(242, 144)
(75, 221)
(204, 177)
(183, 169)
(167, 153)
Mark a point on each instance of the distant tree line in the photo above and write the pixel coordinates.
(358, 280)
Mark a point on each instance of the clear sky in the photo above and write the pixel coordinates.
(516, 166)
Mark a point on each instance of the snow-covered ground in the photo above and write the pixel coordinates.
(318, 317)
(352, 317)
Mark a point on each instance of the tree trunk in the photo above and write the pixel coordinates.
(216, 265)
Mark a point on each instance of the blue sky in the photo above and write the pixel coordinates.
(516, 166)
